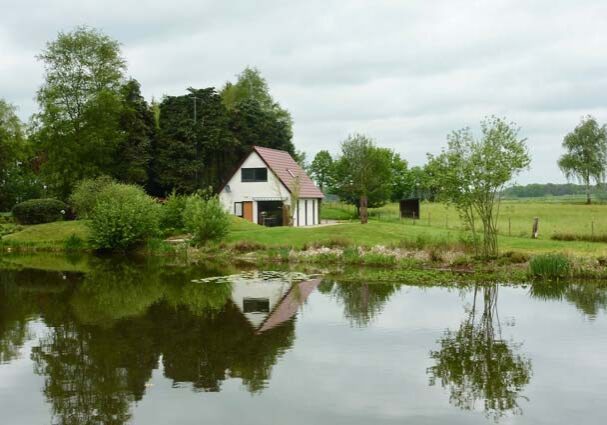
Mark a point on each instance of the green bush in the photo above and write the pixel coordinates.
(85, 195)
(206, 220)
(73, 243)
(549, 266)
(37, 211)
(171, 217)
(124, 216)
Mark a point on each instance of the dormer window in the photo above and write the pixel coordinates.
(254, 174)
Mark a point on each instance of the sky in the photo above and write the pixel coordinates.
(406, 73)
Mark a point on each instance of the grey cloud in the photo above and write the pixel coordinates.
(405, 72)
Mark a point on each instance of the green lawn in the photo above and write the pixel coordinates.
(376, 232)
(49, 235)
(386, 233)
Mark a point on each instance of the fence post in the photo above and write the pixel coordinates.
(536, 228)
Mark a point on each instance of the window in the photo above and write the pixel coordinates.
(238, 209)
(256, 305)
(254, 174)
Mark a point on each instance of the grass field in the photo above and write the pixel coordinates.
(49, 235)
(559, 215)
(390, 233)
(438, 225)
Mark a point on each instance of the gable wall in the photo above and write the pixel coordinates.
(240, 191)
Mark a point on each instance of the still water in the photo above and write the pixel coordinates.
(125, 343)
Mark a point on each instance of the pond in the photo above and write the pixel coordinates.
(119, 342)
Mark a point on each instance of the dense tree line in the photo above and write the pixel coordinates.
(94, 121)
(537, 190)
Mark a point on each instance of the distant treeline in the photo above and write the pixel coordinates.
(537, 190)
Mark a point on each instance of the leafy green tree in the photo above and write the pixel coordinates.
(586, 156)
(80, 106)
(322, 170)
(17, 179)
(252, 125)
(471, 174)
(256, 118)
(12, 135)
(401, 178)
(362, 174)
(137, 123)
(194, 148)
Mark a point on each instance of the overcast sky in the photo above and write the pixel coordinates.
(404, 72)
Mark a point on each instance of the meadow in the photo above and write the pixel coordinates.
(557, 215)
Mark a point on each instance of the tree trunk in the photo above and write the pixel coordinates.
(364, 214)
(588, 202)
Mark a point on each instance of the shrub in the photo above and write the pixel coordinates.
(549, 266)
(73, 243)
(206, 220)
(124, 216)
(85, 195)
(36, 211)
(579, 237)
(171, 217)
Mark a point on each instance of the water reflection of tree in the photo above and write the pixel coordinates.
(590, 297)
(18, 306)
(207, 350)
(361, 301)
(14, 311)
(108, 329)
(477, 365)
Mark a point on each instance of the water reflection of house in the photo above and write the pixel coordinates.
(268, 303)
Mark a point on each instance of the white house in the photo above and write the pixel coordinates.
(264, 187)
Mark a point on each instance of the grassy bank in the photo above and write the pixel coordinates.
(50, 236)
(53, 236)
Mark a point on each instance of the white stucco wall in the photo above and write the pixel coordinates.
(273, 189)
(246, 191)
(309, 212)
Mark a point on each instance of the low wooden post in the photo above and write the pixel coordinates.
(536, 228)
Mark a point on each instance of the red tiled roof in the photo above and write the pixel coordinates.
(287, 171)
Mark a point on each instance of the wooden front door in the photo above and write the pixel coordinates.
(247, 210)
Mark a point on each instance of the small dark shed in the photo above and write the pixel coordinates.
(409, 208)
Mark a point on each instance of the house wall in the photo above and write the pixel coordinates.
(246, 191)
(272, 189)
(308, 212)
